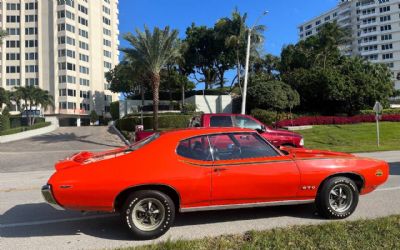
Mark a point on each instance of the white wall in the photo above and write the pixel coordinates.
(212, 103)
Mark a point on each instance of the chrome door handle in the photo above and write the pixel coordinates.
(220, 169)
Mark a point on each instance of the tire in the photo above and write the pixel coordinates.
(148, 214)
(337, 198)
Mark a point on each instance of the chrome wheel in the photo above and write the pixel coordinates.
(340, 198)
(148, 214)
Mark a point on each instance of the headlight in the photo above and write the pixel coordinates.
(302, 142)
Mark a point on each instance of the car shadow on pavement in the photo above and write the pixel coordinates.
(67, 137)
(394, 168)
(40, 219)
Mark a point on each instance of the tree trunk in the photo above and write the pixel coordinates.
(238, 70)
(142, 96)
(156, 89)
(183, 95)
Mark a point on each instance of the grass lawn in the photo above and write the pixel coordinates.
(22, 129)
(382, 233)
(353, 138)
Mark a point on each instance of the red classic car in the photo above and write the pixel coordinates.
(201, 169)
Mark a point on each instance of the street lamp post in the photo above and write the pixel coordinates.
(246, 69)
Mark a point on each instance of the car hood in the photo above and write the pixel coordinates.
(310, 153)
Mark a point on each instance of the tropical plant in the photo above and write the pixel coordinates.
(3, 34)
(94, 117)
(4, 97)
(30, 97)
(234, 31)
(154, 50)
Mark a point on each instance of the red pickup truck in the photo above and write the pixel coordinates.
(276, 137)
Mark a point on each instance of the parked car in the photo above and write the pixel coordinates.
(202, 169)
(276, 137)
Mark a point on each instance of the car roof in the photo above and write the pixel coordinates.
(197, 131)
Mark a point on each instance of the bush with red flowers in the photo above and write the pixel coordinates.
(328, 120)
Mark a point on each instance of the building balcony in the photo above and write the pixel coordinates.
(368, 6)
(369, 15)
(343, 18)
(345, 10)
(368, 52)
(374, 33)
(366, 25)
(370, 42)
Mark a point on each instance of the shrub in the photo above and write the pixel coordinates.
(4, 122)
(114, 110)
(384, 112)
(22, 129)
(269, 117)
(94, 117)
(329, 120)
(165, 122)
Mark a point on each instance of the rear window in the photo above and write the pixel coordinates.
(197, 148)
(221, 121)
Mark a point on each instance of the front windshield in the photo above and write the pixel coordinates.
(143, 142)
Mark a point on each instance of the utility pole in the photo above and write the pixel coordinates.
(246, 70)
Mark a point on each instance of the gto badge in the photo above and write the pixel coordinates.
(379, 172)
(308, 187)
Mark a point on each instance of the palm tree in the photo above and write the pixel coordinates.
(238, 29)
(4, 97)
(3, 34)
(154, 51)
(31, 96)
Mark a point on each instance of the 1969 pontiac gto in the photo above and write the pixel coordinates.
(208, 169)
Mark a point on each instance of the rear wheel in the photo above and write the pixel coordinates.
(148, 214)
(337, 198)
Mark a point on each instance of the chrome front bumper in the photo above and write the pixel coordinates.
(49, 198)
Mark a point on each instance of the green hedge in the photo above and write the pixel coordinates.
(22, 129)
(4, 122)
(270, 117)
(384, 112)
(164, 122)
(114, 110)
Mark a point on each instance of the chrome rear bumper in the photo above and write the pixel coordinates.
(49, 198)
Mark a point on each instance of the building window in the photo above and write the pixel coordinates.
(31, 18)
(107, 65)
(386, 37)
(84, 82)
(84, 33)
(83, 45)
(13, 82)
(13, 6)
(31, 56)
(384, 9)
(85, 94)
(31, 43)
(106, 32)
(385, 18)
(31, 81)
(70, 3)
(31, 31)
(31, 68)
(107, 53)
(83, 21)
(82, 9)
(386, 27)
(84, 70)
(308, 33)
(13, 44)
(31, 6)
(387, 56)
(13, 69)
(106, 21)
(13, 57)
(368, 11)
(318, 22)
(13, 31)
(387, 46)
(327, 18)
(106, 42)
(13, 19)
(84, 58)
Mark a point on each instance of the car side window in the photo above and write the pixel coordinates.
(197, 148)
(240, 146)
(221, 121)
(245, 122)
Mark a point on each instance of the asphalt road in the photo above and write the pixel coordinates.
(28, 223)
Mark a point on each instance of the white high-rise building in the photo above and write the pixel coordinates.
(375, 29)
(63, 46)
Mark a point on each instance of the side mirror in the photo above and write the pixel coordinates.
(261, 130)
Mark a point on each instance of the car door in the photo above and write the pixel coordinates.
(194, 180)
(249, 170)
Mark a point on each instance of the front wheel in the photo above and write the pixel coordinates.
(338, 198)
(148, 214)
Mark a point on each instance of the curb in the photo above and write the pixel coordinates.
(27, 134)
